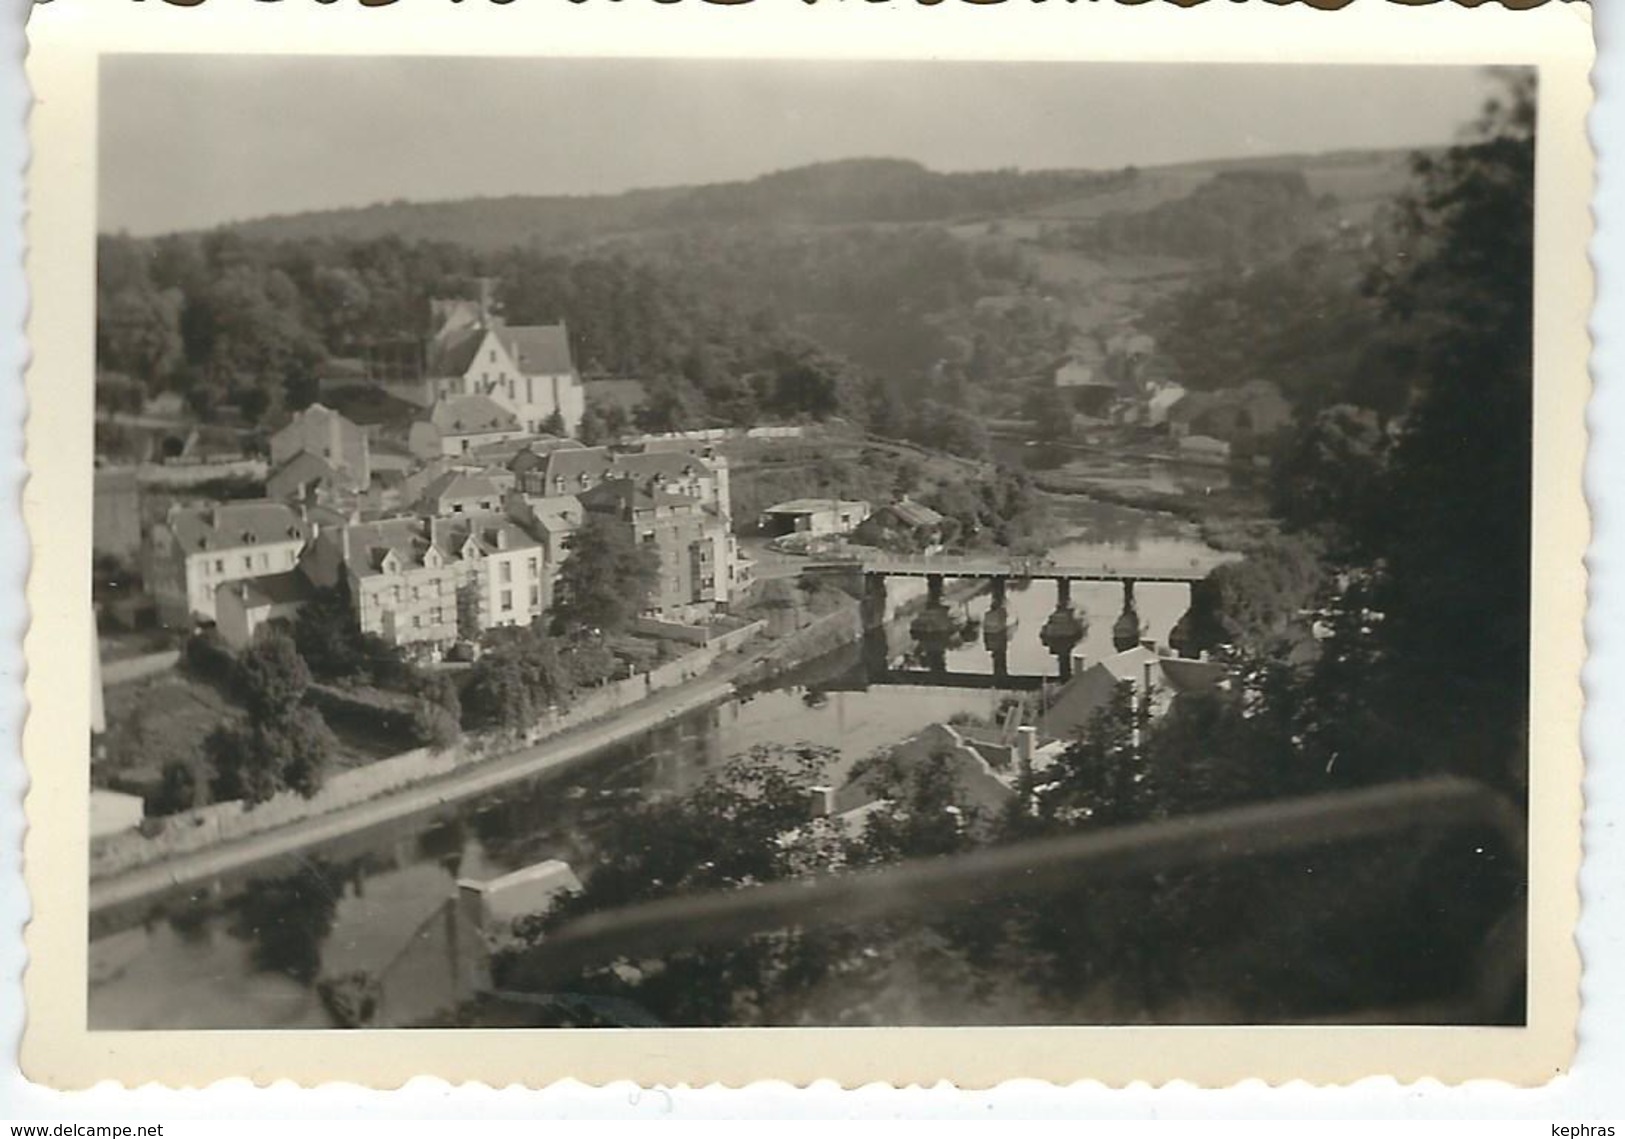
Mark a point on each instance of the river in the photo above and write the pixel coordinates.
(184, 962)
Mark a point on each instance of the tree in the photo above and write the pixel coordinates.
(272, 677)
(497, 696)
(554, 425)
(1101, 779)
(1327, 479)
(434, 726)
(327, 634)
(255, 761)
(924, 813)
(606, 578)
(1456, 634)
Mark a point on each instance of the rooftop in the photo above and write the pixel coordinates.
(232, 525)
(812, 505)
(471, 415)
(538, 349)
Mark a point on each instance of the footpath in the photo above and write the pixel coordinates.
(551, 754)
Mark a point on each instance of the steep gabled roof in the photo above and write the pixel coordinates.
(453, 354)
(538, 349)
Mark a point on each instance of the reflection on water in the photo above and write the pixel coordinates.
(189, 962)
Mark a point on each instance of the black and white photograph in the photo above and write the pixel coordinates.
(645, 543)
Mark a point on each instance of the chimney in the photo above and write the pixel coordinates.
(1026, 742)
(1079, 663)
(821, 801)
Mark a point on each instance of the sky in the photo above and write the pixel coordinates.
(188, 142)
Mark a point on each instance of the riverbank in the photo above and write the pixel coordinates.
(440, 779)
(1226, 521)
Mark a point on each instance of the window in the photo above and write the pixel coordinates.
(535, 597)
(416, 593)
(220, 565)
(507, 599)
(417, 621)
(507, 572)
(493, 355)
(248, 563)
(534, 564)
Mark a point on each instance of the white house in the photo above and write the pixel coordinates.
(198, 549)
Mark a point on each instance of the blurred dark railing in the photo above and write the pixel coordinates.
(1041, 867)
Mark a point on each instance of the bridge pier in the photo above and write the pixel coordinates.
(996, 629)
(934, 628)
(872, 608)
(1127, 631)
(1064, 628)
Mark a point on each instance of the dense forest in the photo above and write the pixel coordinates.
(871, 326)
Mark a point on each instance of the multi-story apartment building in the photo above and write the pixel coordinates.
(690, 539)
(426, 582)
(502, 579)
(197, 549)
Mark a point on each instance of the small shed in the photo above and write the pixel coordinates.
(494, 905)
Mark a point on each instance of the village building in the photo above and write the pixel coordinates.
(322, 433)
(904, 527)
(244, 607)
(1157, 679)
(527, 369)
(815, 517)
(195, 550)
(429, 582)
(691, 540)
(464, 492)
(458, 424)
(1254, 411)
(551, 521)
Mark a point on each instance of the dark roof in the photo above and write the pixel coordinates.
(570, 463)
(277, 589)
(624, 495)
(453, 354)
(232, 525)
(672, 464)
(538, 349)
(916, 514)
(371, 541)
(451, 534)
(299, 472)
(461, 484)
(471, 415)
